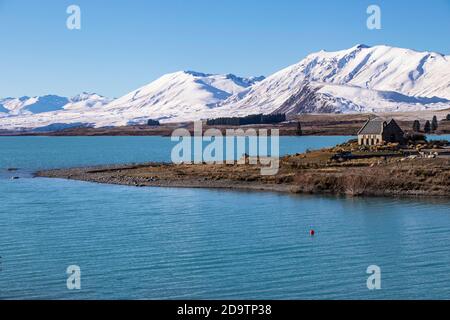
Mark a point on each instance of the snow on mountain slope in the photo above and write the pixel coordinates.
(32, 112)
(182, 90)
(86, 101)
(380, 68)
(27, 105)
(34, 105)
(424, 74)
(359, 79)
(179, 96)
(315, 97)
(3, 109)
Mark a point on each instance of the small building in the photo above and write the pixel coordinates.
(378, 131)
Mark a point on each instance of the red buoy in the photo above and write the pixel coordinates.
(312, 232)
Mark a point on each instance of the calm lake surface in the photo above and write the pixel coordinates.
(163, 243)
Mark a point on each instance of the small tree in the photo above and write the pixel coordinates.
(299, 129)
(427, 127)
(416, 126)
(434, 124)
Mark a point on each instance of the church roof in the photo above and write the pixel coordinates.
(374, 126)
(377, 125)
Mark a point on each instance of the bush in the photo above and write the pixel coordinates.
(415, 137)
(152, 122)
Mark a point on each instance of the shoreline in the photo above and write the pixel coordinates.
(91, 174)
(232, 186)
(311, 173)
(254, 187)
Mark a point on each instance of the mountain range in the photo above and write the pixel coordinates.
(360, 79)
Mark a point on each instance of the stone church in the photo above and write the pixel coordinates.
(378, 131)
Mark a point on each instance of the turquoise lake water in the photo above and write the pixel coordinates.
(164, 243)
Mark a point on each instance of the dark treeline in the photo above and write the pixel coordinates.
(152, 122)
(428, 126)
(251, 119)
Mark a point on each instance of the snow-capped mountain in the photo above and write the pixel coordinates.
(50, 103)
(179, 96)
(86, 101)
(316, 97)
(30, 105)
(358, 79)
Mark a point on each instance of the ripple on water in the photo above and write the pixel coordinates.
(137, 243)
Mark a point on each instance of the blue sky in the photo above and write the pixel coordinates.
(125, 44)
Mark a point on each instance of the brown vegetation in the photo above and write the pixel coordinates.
(371, 173)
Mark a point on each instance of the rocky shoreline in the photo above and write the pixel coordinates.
(125, 175)
(318, 172)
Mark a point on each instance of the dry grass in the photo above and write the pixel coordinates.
(304, 173)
